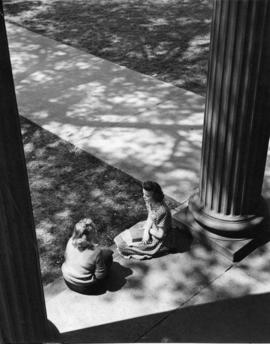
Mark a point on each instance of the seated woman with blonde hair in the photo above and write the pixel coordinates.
(147, 238)
(86, 264)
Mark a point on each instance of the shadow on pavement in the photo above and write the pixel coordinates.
(115, 281)
(179, 241)
(233, 320)
(182, 238)
(261, 234)
(117, 277)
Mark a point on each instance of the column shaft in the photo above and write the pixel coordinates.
(23, 314)
(236, 127)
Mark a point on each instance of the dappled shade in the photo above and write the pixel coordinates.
(165, 39)
(236, 320)
(147, 128)
(68, 184)
(202, 274)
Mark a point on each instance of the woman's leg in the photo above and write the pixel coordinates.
(107, 256)
(77, 288)
(94, 288)
(130, 236)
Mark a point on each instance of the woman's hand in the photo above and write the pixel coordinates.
(146, 237)
(157, 232)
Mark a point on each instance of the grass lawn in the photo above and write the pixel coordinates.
(167, 39)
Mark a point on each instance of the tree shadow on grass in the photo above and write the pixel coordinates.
(68, 184)
(165, 39)
(110, 111)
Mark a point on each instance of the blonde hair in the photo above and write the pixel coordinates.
(83, 233)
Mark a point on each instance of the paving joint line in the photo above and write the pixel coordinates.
(206, 286)
(182, 304)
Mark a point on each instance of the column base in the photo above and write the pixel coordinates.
(234, 248)
(227, 225)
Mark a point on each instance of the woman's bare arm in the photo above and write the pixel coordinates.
(157, 232)
(147, 227)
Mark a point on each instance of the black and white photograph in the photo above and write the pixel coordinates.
(134, 171)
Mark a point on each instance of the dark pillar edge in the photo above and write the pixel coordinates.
(48, 329)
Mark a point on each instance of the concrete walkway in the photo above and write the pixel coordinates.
(151, 130)
(145, 127)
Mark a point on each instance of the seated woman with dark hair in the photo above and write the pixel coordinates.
(147, 238)
(86, 265)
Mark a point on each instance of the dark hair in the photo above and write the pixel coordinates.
(156, 190)
(81, 237)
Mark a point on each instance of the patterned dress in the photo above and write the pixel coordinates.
(129, 242)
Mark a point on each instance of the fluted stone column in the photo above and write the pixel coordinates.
(22, 308)
(237, 117)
